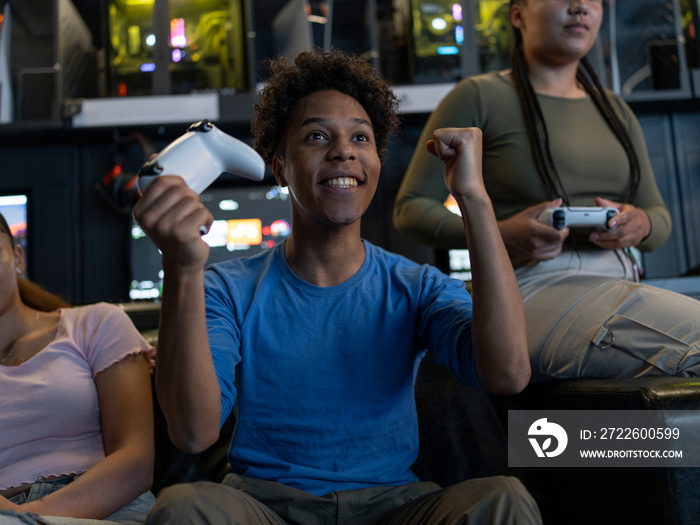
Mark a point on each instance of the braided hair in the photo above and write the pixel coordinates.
(537, 128)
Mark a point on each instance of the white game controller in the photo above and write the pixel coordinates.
(578, 217)
(200, 156)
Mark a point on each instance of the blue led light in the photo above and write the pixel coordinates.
(459, 35)
(448, 50)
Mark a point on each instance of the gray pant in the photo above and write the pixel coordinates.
(586, 317)
(242, 500)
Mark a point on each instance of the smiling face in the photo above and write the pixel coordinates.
(557, 31)
(328, 159)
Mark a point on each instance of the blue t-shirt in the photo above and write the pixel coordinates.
(322, 377)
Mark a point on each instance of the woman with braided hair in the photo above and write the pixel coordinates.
(552, 136)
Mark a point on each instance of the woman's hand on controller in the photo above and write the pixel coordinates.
(628, 228)
(526, 237)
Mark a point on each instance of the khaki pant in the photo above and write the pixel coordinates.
(242, 500)
(587, 317)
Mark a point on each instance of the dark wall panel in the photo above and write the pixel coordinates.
(50, 175)
(671, 259)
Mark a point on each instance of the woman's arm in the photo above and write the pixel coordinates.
(7, 504)
(126, 412)
(649, 216)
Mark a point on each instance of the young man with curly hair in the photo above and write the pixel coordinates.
(316, 341)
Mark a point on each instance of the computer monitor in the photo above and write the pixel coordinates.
(162, 48)
(437, 33)
(248, 219)
(14, 208)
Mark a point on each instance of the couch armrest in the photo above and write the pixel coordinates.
(615, 495)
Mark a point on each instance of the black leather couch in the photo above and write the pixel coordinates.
(463, 435)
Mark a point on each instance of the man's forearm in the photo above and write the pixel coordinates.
(186, 382)
(499, 327)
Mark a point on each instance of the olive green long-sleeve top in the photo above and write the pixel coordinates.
(589, 158)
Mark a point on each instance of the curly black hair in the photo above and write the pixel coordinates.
(312, 72)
